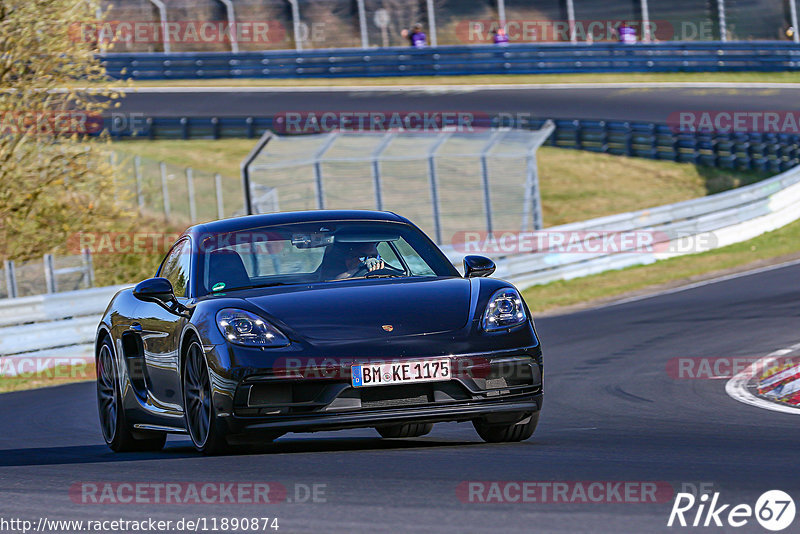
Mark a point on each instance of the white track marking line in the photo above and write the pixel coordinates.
(736, 387)
(466, 88)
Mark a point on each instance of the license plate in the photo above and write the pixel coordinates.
(384, 374)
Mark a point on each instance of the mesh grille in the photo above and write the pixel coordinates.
(386, 396)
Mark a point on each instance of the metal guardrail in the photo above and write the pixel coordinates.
(768, 152)
(189, 127)
(43, 330)
(48, 335)
(708, 223)
(686, 56)
(52, 307)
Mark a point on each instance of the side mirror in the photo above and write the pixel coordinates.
(478, 266)
(158, 290)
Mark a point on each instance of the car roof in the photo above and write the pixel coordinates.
(255, 221)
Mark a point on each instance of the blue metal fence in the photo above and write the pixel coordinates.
(189, 127)
(767, 152)
(460, 60)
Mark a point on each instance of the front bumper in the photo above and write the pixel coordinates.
(504, 386)
(515, 410)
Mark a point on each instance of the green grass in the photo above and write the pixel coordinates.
(667, 77)
(578, 185)
(773, 247)
(222, 156)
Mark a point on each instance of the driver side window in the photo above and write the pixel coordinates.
(176, 267)
(388, 256)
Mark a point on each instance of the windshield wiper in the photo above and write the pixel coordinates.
(271, 284)
(255, 286)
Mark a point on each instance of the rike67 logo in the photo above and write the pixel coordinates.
(774, 510)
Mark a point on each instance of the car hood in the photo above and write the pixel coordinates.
(370, 309)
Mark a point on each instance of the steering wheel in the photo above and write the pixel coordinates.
(363, 270)
(386, 271)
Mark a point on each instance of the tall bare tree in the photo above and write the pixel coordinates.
(54, 176)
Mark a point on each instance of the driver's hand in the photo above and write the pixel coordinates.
(373, 264)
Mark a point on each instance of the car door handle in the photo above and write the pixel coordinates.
(136, 327)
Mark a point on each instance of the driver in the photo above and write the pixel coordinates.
(359, 258)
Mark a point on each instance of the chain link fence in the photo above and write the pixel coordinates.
(182, 195)
(248, 25)
(444, 182)
(51, 274)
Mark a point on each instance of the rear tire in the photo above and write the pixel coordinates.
(202, 423)
(507, 433)
(408, 430)
(116, 432)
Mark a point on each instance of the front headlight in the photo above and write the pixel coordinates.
(245, 328)
(505, 310)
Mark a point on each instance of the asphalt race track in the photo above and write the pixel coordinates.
(612, 413)
(634, 103)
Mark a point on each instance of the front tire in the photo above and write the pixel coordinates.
(116, 432)
(494, 433)
(408, 430)
(198, 406)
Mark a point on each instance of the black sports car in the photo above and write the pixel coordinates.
(309, 321)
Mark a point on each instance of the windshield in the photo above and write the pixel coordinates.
(317, 252)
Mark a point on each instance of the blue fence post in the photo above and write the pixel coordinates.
(653, 141)
(604, 137)
(628, 139)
